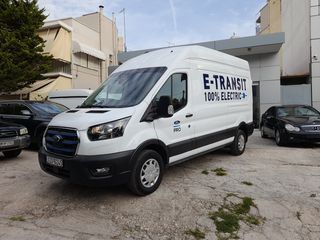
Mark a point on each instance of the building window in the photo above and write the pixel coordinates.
(93, 62)
(60, 66)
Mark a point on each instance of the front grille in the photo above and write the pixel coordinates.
(8, 133)
(311, 128)
(62, 141)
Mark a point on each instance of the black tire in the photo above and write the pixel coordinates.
(12, 153)
(263, 134)
(280, 138)
(145, 159)
(239, 144)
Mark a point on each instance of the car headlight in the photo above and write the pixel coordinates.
(108, 130)
(291, 128)
(23, 131)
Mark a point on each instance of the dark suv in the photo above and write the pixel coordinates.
(13, 138)
(34, 115)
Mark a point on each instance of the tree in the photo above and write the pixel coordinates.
(21, 49)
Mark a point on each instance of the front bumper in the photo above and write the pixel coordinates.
(303, 137)
(79, 169)
(18, 142)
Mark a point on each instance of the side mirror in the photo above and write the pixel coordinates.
(165, 108)
(26, 113)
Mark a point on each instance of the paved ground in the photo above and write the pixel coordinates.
(286, 189)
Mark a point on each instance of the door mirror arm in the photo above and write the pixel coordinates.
(165, 108)
(161, 109)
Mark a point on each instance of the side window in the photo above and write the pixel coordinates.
(3, 108)
(19, 109)
(176, 88)
(273, 112)
(6, 109)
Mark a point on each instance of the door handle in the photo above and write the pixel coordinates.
(189, 115)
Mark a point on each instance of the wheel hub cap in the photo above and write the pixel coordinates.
(149, 173)
(241, 142)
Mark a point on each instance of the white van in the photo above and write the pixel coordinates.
(71, 98)
(154, 111)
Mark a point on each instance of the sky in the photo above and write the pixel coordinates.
(160, 23)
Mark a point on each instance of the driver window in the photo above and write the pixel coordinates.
(176, 89)
(20, 109)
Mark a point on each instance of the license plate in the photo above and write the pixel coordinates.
(55, 162)
(6, 144)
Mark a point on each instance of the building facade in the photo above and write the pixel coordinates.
(300, 21)
(83, 48)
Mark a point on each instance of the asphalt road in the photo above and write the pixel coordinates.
(285, 188)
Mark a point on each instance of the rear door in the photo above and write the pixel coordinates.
(177, 132)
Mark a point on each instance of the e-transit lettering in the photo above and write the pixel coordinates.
(224, 88)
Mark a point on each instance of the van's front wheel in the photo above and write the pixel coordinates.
(239, 144)
(147, 173)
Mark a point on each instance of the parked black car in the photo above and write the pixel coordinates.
(34, 115)
(13, 138)
(293, 123)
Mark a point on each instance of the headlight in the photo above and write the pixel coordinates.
(291, 128)
(108, 130)
(23, 131)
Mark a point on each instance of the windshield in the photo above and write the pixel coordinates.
(49, 108)
(125, 89)
(297, 112)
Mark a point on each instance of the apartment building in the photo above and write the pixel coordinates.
(300, 54)
(83, 48)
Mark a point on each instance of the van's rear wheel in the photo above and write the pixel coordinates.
(147, 173)
(239, 143)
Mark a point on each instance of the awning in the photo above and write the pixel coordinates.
(83, 48)
(33, 87)
(58, 43)
(59, 83)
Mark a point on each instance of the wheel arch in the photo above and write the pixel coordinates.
(153, 144)
(245, 128)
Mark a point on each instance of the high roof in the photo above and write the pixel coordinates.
(261, 44)
(182, 57)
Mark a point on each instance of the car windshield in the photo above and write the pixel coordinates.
(49, 108)
(124, 89)
(297, 112)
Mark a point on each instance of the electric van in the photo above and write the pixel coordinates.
(156, 110)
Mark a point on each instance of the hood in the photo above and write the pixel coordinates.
(302, 120)
(83, 118)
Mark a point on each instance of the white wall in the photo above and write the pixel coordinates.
(265, 69)
(296, 25)
(296, 94)
(315, 52)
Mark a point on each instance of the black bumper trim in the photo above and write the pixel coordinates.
(77, 169)
(303, 137)
(20, 142)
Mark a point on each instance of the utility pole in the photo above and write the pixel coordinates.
(101, 7)
(124, 28)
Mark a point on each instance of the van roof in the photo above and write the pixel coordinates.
(182, 57)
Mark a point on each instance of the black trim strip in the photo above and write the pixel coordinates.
(196, 155)
(191, 144)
